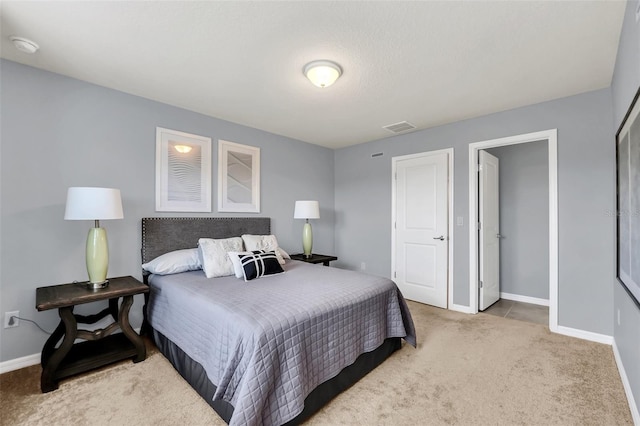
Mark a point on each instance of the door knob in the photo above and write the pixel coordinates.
(441, 238)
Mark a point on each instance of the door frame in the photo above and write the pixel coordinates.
(394, 161)
(551, 136)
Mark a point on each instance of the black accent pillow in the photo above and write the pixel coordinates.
(256, 265)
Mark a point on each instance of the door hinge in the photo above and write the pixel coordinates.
(479, 226)
(480, 285)
(394, 274)
(479, 168)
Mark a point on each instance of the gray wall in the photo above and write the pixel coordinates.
(58, 132)
(524, 218)
(586, 193)
(625, 83)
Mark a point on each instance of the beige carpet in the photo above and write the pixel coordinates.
(467, 370)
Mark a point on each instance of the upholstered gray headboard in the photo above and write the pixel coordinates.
(161, 235)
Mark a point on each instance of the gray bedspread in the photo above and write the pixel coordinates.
(267, 343)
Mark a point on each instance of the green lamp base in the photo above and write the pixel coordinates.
(97, 258)
(307, 239)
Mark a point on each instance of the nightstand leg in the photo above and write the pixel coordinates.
(123, 320)
(113, 308)
(48, 382)
(146, 328)
(50, 346)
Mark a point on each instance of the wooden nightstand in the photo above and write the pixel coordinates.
(315, 258)
(100, 347)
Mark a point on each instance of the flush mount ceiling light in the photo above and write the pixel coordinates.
(24, 45)
(182, 149)
(322, 73)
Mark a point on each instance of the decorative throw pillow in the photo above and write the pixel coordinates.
(174, 262)
(257, 265)
(235, 260)
(263, 242)
(215, 261)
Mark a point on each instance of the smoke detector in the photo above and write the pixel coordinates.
(24, 45)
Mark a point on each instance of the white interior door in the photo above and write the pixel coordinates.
(421, 228)
(489, 233)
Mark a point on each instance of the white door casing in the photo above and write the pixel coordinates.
(489, 219)
(551, 138)
(421, 228)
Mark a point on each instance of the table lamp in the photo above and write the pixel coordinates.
(307, 210)
(95, 204)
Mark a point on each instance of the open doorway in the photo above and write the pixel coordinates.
(548, 137)
(523, 232)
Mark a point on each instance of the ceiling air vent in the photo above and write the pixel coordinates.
(400, 127)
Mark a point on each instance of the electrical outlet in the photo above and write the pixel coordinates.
(9, 322)
(618, 317)
(363, 266)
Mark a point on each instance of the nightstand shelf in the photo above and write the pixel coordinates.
(315, 258)
(92, 354)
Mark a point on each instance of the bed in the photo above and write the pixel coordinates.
(272, 350)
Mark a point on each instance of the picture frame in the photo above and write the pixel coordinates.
(628, 200)
(183, 172)
(238, 178)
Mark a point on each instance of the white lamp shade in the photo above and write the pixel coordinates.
(306, 210)
(93, 204)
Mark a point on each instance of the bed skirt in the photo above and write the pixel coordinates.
(195, 375)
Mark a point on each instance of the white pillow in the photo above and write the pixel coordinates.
(174, 262)
(263, 242)
(215, 261)
(238, 270)
(284, 253)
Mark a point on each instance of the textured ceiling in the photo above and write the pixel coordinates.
(428, 63)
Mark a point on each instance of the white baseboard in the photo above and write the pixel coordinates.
(585, 335)
(635, 414)
(18, 363)
(567, 331)
(525, 299)
(27, 361)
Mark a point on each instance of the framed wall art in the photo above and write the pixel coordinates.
(183, 172)
(238, 178)
(628, 200)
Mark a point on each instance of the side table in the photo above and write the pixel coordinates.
(315, 258)
(100, 347)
